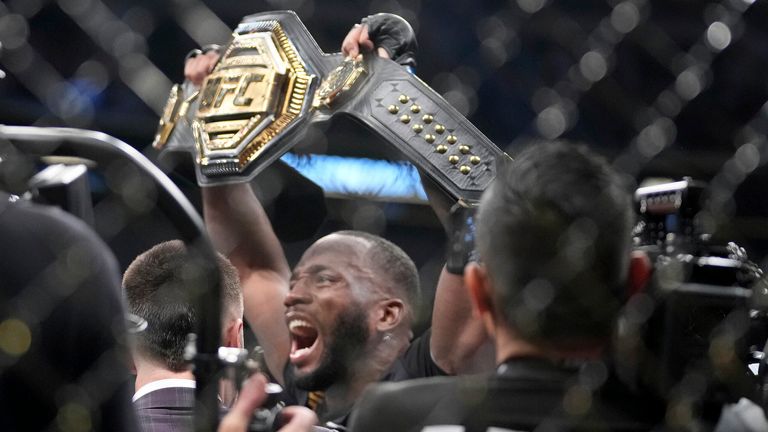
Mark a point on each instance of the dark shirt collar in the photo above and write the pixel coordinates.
(538, 367)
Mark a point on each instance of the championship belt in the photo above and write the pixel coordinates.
(272, 81)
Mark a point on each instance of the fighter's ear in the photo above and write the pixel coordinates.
(390, 313)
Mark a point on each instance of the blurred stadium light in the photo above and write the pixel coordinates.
(347, 176)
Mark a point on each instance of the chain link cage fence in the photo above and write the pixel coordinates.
(663, 88)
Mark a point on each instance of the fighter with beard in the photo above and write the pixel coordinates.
(342, 319)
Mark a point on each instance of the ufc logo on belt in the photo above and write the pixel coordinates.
(220, 87)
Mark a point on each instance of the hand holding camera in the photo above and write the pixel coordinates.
(253, 395)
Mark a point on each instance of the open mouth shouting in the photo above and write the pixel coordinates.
(306, 345)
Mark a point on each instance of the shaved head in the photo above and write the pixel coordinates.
(395, 270)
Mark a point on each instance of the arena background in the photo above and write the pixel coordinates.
(666, 88)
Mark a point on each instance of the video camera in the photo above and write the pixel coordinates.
(237, 365)
(695, 334)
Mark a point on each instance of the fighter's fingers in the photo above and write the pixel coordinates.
(364, 39)
(350, 46)
(200, 66)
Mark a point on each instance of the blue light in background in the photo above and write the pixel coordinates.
(360, 177)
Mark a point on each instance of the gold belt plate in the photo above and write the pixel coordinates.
(255, 92)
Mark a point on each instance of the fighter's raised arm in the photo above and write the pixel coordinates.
(459, 343)
(240, 229)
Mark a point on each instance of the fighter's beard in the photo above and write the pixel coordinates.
(348, 341)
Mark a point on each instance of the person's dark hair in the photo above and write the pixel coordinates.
(554, 231)
(394, 265)
(157, 290)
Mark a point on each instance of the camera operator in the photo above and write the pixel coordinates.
(553, 238)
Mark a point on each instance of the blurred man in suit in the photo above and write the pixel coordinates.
(156, 287)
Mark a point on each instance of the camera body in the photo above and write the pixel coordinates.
(237, 365)
(694, 331)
